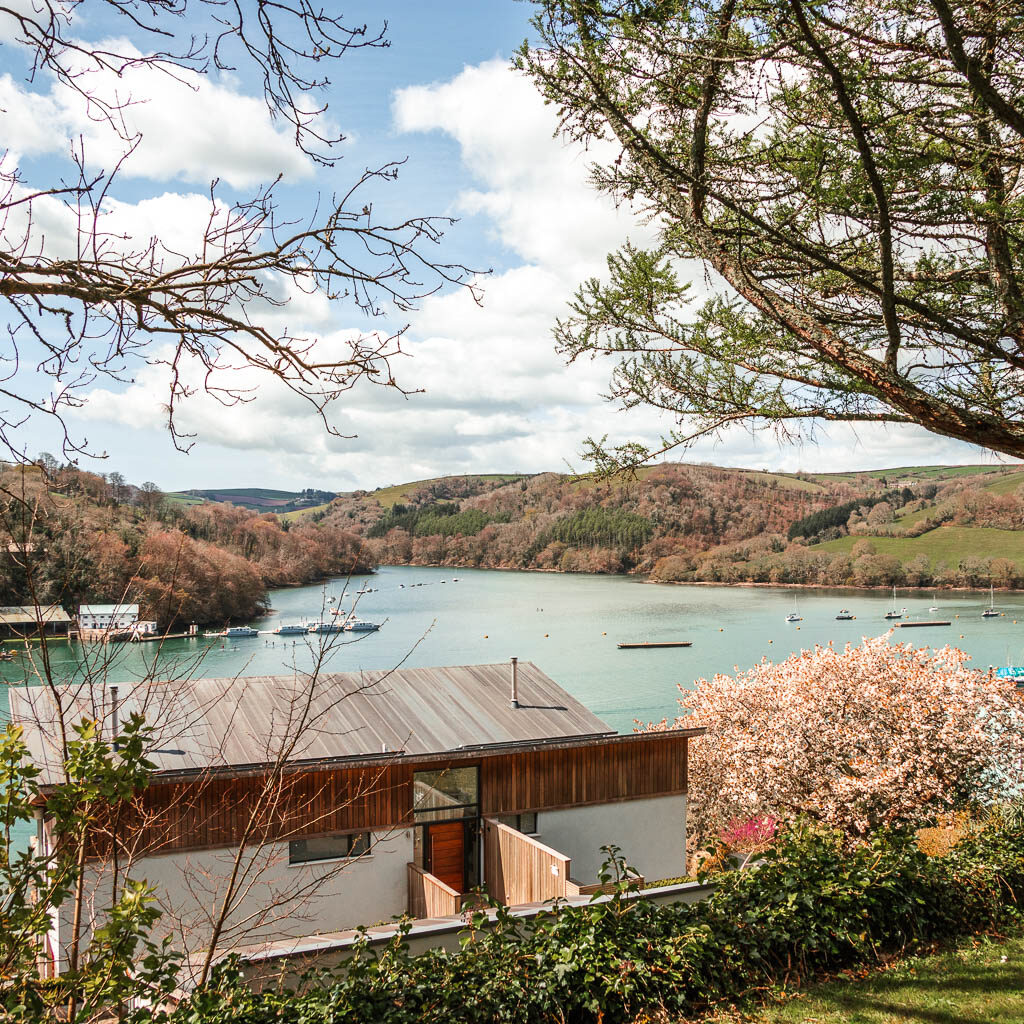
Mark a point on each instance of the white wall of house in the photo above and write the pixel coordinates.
(279, 899)
(650, 832)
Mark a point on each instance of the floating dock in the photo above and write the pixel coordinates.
(659, 643)
(930, 622)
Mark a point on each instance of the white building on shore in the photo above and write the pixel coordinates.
(109, 618)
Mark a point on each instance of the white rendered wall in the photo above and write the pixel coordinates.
(651, 834)
(311, 898)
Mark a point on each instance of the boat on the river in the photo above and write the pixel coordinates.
(325, 627)
(991, 611)
(844, 614)
(354, 625)
(234, 632)
(892, 613)
(289, 631)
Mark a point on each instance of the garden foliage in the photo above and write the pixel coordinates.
(812, 906)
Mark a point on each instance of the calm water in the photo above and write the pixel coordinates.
(569, 626)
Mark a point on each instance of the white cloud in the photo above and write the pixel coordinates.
(536, 190)
(191, 127)
(497, 396)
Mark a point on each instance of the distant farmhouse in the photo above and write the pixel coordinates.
(399, 792)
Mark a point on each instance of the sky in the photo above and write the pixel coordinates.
(489, 392)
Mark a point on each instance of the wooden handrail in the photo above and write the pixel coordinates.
(429, 896)
(519, 869)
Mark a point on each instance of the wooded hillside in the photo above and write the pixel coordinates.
(704, 523)
(74, 537)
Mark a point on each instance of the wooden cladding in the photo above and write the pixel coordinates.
(212, 811)
(518, 869)
(429, 896)
(652, 765)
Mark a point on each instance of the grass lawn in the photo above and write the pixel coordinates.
(947, 544)
(980, 982)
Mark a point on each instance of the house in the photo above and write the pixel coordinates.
(24, 621)
(355, 797)
(107, 618)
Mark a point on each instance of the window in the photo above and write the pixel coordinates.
(305, 851)
(446, 794)
(525, 822)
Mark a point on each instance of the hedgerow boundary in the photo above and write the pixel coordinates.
(814, 906)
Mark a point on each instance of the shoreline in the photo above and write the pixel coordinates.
(645, 578)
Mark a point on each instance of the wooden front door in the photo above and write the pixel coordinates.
(447, 842)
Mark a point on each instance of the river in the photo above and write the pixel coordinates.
(569, 625)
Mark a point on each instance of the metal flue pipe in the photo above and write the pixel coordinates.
(515, 682)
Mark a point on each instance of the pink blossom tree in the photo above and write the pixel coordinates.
(874, 735)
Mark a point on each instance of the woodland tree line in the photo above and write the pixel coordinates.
(694, 523)
(75, 537)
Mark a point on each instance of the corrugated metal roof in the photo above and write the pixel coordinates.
(108, 609)
(24, 615)
(243, 721)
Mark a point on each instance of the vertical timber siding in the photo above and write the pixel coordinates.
(518, 869)
(212, 811)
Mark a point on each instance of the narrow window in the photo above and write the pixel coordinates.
(349, 845)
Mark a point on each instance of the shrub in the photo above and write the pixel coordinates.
(813, 905)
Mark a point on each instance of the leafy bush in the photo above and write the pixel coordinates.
(813, 905)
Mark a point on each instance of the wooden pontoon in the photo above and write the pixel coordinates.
(656, 643)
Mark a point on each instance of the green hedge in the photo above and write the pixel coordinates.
(812, 906)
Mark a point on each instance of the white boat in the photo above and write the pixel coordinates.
(990, 612)
(354, 625)
(233, 632)
(289, 631)
(892, 613)
(325, 627)
(845, 613)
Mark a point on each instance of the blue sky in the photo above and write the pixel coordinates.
(479, 146)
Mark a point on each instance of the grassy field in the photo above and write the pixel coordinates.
(911, 472)
(784, 480)
(176, 498)
(981, 982)
(300, 512)
(1007, 484)
(388, 496)
(947, 544)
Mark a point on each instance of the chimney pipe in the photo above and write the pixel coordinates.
(515, 682)
(115, 726)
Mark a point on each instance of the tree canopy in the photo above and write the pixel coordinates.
(849, 176)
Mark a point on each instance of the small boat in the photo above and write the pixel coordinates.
(353, 625)
(6, 656)
(845, 613)
(233, 632)
(892, 613)
(991, 611)
(794, 615)
(289, 631)
(325, 627)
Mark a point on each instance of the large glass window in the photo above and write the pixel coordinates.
(445, 794)
(351, 844)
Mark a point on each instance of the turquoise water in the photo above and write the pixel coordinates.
(569, 625)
